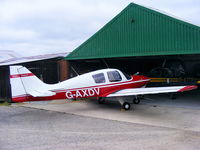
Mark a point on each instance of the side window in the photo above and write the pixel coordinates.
(114, 76)
(99, 78)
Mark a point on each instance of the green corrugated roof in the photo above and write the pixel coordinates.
(140, 31)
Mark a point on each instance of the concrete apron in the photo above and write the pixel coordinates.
(162, 116)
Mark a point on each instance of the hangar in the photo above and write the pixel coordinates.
(142, 40)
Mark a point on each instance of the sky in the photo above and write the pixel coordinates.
(34, 27)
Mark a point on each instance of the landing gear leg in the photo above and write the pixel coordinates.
(125, 105)
(101, 100)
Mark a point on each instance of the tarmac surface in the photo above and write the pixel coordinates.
(153, 125)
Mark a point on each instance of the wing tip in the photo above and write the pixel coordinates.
(188, 88)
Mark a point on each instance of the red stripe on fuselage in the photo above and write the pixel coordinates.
(104, 90)
(101, 86)
(21, 75)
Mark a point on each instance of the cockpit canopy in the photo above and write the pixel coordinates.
(114, 76)
(111, 76)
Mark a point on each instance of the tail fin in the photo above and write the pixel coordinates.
(17, 88)
(24, 82)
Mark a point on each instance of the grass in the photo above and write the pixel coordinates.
(4, 104)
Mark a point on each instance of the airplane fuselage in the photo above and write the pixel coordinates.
(84, 86)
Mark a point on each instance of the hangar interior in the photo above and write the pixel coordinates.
(184, 68)
(46, 70)
(5, 91)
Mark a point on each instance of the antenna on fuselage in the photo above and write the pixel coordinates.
(105, 63)
(137, 73)
(75, 71)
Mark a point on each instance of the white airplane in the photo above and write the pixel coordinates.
(25, 86)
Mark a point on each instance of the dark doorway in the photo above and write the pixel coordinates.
(5, 88)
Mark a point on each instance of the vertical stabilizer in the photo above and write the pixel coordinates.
(17, 88)
(24, 83)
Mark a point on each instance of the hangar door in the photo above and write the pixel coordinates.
(5, 90)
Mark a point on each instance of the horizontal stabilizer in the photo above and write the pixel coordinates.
(152, 90)
(36, 93)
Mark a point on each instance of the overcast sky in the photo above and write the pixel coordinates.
(33, 27)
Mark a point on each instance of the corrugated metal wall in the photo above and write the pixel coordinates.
(139, 31)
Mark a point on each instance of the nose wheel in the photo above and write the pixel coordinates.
(126, 106)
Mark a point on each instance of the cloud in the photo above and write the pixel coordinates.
(9, 34)
(42, 26)
(187, 10)
(27, 24)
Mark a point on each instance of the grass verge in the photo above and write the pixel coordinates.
(4, 104)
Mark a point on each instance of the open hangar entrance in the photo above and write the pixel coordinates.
(179, 69)
(163, 71)
(5, 89)
(47, 71)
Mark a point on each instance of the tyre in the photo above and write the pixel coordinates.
(136, 100)
(126, 106)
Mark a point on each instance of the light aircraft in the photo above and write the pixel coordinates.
(25, 86)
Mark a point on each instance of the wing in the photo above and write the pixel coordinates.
(36, 93)
(152, 90)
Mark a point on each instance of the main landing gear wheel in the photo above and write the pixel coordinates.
(126, 106)
(101, 100)
(136, 100)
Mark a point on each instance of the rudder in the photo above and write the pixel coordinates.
(22, 83)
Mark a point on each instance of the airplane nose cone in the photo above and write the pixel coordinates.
(140, 77)
(145, 78)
